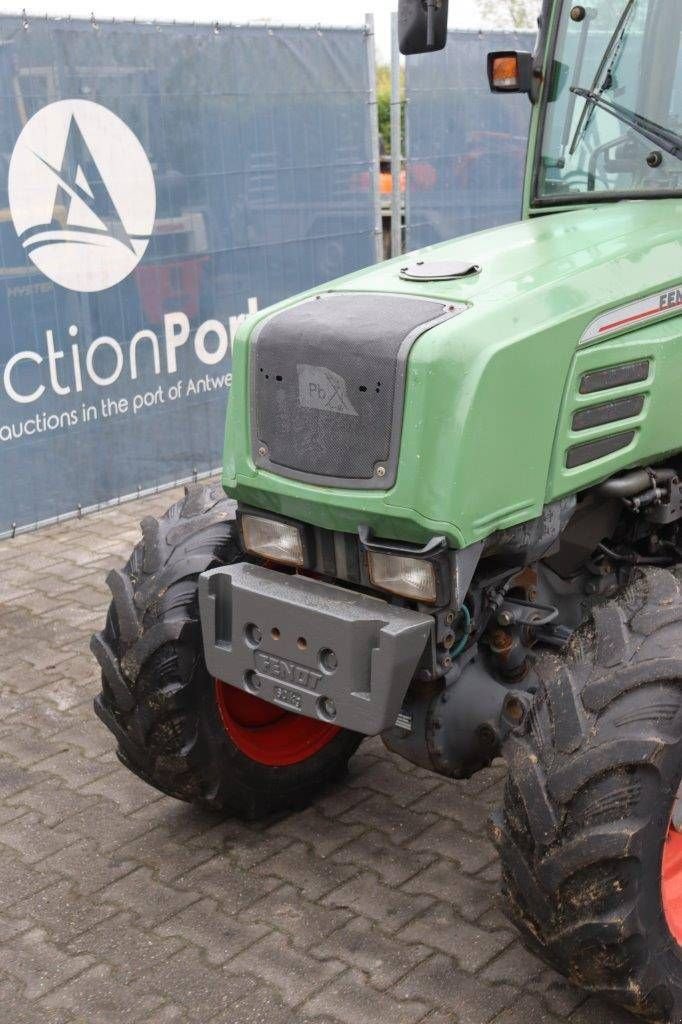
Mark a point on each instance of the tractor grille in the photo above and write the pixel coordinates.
(328, 382)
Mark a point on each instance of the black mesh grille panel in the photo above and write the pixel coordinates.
(328, 379)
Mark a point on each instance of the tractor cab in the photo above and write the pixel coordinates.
(606, 85)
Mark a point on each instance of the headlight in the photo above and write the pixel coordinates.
(414, 578)
(268, 538)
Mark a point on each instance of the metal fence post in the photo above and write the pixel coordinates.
(406, 157)
(375, 170)
(396, 144)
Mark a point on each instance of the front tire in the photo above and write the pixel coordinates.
(188, 735)
(591, 857)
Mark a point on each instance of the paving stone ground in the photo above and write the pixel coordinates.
(118, 905)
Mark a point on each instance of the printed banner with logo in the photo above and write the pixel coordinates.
(159, 182)
(466, 147)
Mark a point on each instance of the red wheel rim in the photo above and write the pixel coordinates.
(266, 733)
(671, 883)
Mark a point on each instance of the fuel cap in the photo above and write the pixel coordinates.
(438, 270)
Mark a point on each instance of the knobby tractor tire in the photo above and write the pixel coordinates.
(589, 797)
(157, 697)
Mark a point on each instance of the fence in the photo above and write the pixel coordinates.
(157, 183)
(465, 146)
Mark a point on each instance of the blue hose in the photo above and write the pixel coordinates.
(467, 629)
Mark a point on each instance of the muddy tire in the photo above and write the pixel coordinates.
(157, 697)
(586, 830)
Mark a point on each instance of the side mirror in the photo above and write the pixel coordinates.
(422, 25)
(510, 71)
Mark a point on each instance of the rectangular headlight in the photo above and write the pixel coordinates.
(268, 538)
(414, 578)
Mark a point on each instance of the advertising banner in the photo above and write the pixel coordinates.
(158, 183)
(466, 146)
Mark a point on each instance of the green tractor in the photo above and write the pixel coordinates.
(451, 516)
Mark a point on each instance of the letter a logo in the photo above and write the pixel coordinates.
(82, 195)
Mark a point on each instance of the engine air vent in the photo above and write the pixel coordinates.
(590, 451)
(614, 377)
(608, 412)
(328, 385)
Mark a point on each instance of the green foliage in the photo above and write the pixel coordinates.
(510, 13)
(384, 105)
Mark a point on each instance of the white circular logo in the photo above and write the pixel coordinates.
(82, 195)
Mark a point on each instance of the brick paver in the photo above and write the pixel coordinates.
(117, 905)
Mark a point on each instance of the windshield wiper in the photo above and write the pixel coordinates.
(664, 138)
(607, 66)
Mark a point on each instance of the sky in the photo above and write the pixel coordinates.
(463, 13)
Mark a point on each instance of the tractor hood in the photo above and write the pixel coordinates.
(481, 385)
(548, 264)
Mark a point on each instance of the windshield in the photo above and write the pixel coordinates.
(612, 124)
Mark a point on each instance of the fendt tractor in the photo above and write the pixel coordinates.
(451, 516)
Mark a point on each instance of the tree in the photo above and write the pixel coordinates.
(521, 14)
(384, 104)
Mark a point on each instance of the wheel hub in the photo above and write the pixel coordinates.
(268, 734)
(671, 873)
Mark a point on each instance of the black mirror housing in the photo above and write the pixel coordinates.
(511, 71)
(422, 25)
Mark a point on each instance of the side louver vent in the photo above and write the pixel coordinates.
(590, 451)
(608, 412)
(614, 408)
(614, 377)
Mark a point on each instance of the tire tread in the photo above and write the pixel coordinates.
(604, 730)
(149, 652)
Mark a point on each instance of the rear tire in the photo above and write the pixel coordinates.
(586, 826)
(157, 696)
